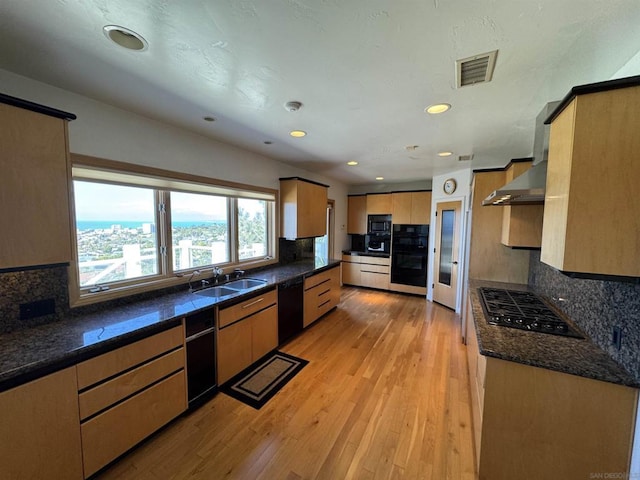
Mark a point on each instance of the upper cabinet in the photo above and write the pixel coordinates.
(521, 224)
(303, 208)
(357, 214)
(592, 212)
(411, 207)
(378, 204)
(35, 172)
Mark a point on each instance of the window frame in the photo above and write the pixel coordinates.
(163, 182)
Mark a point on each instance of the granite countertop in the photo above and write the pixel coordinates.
(30, 353)
(357, 253)
(570, 355)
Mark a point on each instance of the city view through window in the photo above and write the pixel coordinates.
(118, 238)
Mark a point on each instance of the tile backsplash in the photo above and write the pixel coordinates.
(597, 307)
(31, 285)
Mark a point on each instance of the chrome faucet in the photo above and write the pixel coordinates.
(217, 271)
(238, 273)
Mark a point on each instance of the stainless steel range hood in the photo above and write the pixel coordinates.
(529, 188)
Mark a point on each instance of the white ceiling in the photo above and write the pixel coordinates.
(364, 70)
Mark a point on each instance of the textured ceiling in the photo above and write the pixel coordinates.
(364, 70)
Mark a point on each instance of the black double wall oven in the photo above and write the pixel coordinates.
(409, 254)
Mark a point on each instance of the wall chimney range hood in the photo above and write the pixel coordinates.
(529, 188)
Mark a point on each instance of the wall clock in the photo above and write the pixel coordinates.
(449, 186)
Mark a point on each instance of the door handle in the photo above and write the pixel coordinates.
(454, 262)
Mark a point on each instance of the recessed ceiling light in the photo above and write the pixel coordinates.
(445, 154)
(209, 119)
(352, 163)
(125, 38)
(297, 133)
(379, 178)
(437, 108)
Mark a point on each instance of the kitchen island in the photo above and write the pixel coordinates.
(545, 406)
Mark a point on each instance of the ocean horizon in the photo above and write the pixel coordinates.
(106, 224)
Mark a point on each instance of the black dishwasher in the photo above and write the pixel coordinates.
(201, 356)
(290, 312)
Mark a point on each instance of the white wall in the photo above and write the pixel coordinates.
(102, 130)
(462, 193)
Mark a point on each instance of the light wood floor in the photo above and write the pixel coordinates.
(385, 395)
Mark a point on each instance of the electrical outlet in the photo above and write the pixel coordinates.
(616, 337)
(38, 308)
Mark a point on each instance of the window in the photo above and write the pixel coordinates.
(252, 228)
(115, 231)
(136, 232)
(199, 230)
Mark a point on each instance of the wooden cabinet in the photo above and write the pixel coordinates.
(521, 224)
(364, 271)
(379, 204)
(40, 429)
(127, 394)
(411, 207)
(303, 208)
(35, 172)
(357, 214)
(592, 213)
(477, 365)
(321, 294)
(488, 258)
(552, 424)
(247, 332)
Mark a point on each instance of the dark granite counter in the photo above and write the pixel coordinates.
(37, 351)
(357, 253)
(579, 357)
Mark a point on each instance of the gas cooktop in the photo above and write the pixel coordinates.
(522, 310)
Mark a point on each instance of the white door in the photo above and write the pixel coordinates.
(445, 268)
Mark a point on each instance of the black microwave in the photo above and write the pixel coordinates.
(379, 224)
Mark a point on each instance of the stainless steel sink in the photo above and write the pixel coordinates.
(245, 283)
(219, 291)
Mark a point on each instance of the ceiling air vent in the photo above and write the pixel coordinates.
(476, 69)
(465, 158)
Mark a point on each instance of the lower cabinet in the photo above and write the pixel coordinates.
(246, 332)
(321, 294)
(128, 393)
(535, 423)
(40, 429)
(364, 271)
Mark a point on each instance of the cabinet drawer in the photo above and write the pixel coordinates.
(374, 268)
(234, 313)
(110, 434)
(375, 279)
(104, 366)
(108, 393)
(375, 261)
(323, 277)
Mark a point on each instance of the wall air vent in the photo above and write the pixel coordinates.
(465, 158)
(476, 69)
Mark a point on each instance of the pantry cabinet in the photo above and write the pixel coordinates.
(35, 172)
(521, 224)
(592, 214)
(247, 331)
(411, 207)
(303, 208)
(40, 429)
(357, 214)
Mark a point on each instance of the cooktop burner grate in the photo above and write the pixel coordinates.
(522, 310)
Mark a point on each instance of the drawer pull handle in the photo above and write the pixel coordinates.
(253, 303)
(325, 292)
